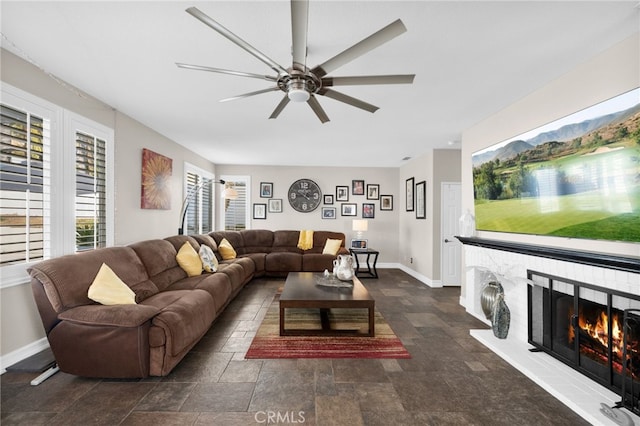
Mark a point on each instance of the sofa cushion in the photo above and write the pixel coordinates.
(208, 259)
(108, 289)
(331, 246)
(234, 237)
(284, 262)
(189, 260)
(257, 241)
(159, 259)
(226, 250)
(206, 240)
(286, 241)
(66, 279)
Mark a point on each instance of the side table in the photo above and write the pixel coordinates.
(371, 271)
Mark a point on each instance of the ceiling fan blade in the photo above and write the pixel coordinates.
(283, 103)
(299, 27)
(223, 71)
(315, 106)
(208, 21)
(347, 100)
(246, 95)
(376, 39)
(368, 79)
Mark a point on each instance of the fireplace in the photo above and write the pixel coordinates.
(593, 329)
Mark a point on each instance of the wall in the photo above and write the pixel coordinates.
(420, 238)
(20, 325)
(613, 72)
(383, 228)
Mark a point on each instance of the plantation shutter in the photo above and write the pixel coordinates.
(90, 201)
(25, 171)
(235, 215)
(199, 215)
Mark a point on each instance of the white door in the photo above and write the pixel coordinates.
(451, 248)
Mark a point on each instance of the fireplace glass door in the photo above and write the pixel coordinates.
(585, 326)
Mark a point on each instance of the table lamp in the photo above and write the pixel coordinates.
(360, 225)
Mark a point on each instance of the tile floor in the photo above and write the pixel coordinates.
(452, 379)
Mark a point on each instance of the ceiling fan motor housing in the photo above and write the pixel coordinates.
(299, 85)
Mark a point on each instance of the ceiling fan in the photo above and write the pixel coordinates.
(300, 83)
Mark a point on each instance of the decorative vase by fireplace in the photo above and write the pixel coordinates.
(488, 297)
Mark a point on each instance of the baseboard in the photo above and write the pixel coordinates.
(24, 352)
(425, 280)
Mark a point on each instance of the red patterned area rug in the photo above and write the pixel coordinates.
(269, 344)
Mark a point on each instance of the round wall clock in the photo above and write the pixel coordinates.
(304, 195)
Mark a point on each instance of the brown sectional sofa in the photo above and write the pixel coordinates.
(172, 311)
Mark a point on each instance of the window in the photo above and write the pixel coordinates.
(24, 186)
(198, 202)
(91, 187)
(236, 211)
(47, 150)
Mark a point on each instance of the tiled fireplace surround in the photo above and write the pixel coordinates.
(578, 392)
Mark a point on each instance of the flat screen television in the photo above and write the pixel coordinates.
(577, 177)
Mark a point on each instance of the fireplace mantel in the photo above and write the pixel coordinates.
(604, 260)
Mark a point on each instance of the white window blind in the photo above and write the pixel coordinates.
(25, 166)
(91, 187)
(235, 211)
(199, 194)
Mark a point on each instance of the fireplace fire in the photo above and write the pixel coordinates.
(584, 326)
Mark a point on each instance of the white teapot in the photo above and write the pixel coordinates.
(343, 267)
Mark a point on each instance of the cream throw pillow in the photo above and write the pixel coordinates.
(209, 260)
(189, 260)
(108, 289)
(331, 246)
(226, 250)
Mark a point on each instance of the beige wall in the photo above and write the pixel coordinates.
(383, 229)
(21, 325)
(611, 73)
(419, 249)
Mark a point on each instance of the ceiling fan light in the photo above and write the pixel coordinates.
(298, 95)
(297, 91)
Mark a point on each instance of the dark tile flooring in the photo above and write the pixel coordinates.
(450, 380)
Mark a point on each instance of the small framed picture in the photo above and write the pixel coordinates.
(373, 191)
(359, 244)
(275, 205)
(357, 187)
(259, 211)
(409, 193)
(349, 209)
(368, 210)
(328, 199)
(266, 189)
(421, 195)
(342, 193)
(328, 212)
(386, 202)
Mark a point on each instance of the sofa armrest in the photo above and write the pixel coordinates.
(114, 315)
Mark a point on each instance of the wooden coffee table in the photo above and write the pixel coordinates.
(301, 291)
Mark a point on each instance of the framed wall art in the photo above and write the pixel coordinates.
(373, 191)
(259, 211)
(368, 210)
(421, 200)
(266, 189)
(576, 177)
(328, 212)
(342, 193)
(386, 202)
(357, 187)
(409, 194)
(156, 181)
(328, 199)
(275, 205)
(349, 209)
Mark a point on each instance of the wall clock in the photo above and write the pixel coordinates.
(304, 195)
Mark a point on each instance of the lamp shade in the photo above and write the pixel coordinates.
(360, 225)
(229, 194)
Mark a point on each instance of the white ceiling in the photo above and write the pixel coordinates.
(471, 59)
